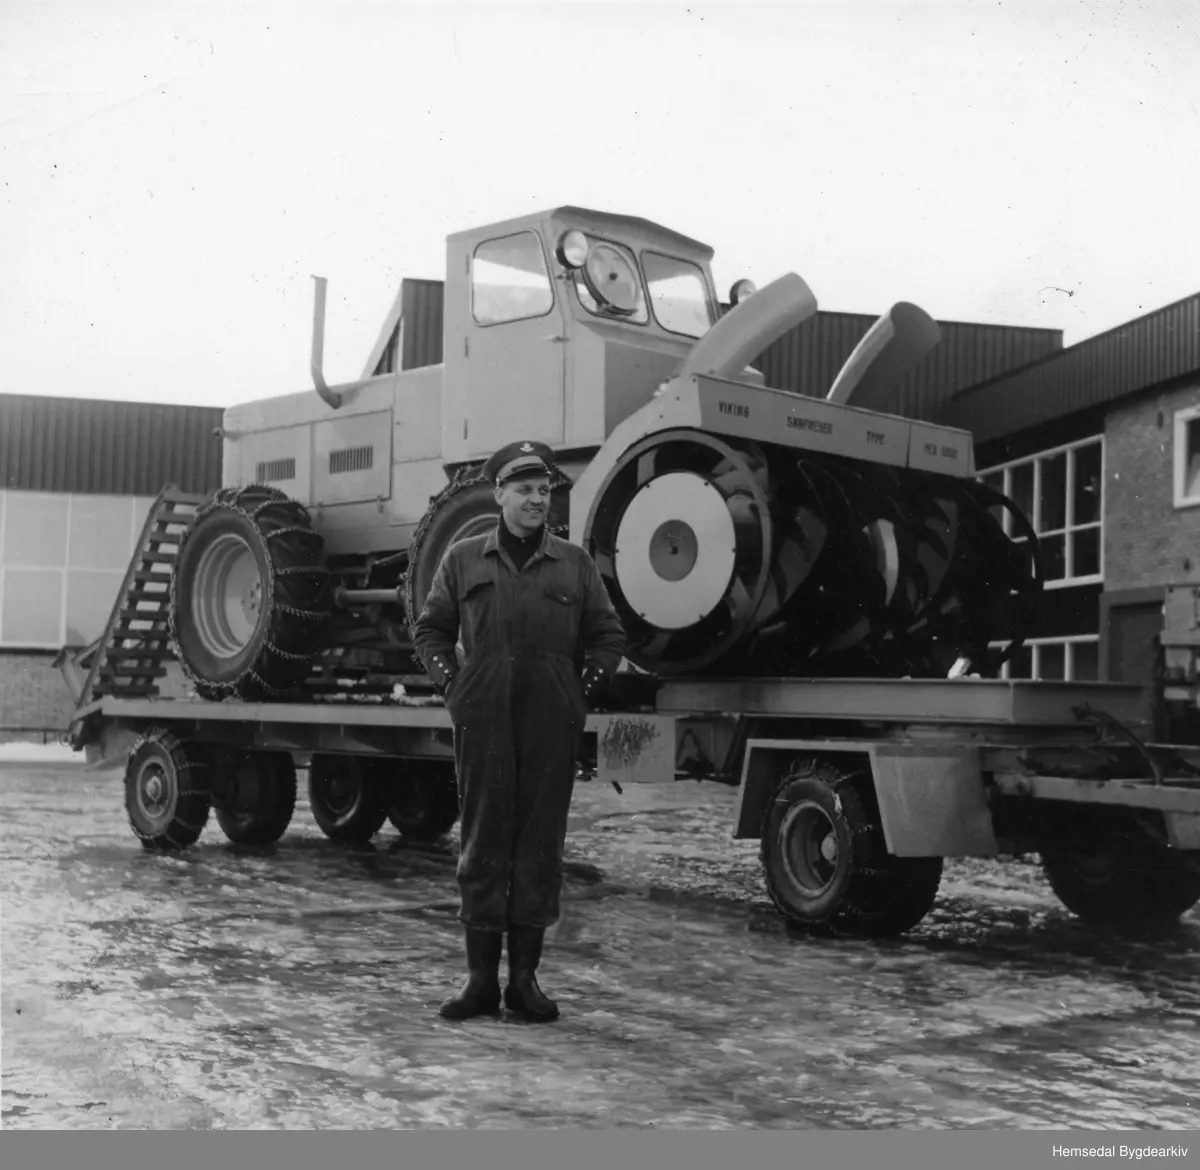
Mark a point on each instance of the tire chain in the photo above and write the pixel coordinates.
(463, 478)
(232, 499)
(176, 749)
(850, 783)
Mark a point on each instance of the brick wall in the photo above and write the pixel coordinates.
(33, 696)
(1147, 540)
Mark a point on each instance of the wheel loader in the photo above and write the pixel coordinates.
(739, 529)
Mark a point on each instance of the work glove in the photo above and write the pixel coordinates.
(593, 685)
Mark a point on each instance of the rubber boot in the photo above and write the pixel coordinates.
(481, 995)
(523, 996)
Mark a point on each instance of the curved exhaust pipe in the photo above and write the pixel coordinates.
(749, 327)
(327, 393)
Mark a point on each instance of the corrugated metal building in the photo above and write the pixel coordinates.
(807, 359)
(106, 448)
(76, 479)
(1150, 351)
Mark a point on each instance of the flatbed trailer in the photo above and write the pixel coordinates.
(857, 789)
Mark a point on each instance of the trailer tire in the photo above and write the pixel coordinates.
(348, 797)
(270, 780)
(166, 791)
(427, 807)
(826, 863)
(1118, 876)
(250, 595)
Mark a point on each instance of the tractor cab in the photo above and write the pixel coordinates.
(561, 324)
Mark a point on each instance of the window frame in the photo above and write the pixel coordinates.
(710, 300)
(1182, 417)
(1069, 527)
(1067, 641)
(545, 269)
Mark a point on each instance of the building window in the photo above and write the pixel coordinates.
(1061, 492)
(509, 280)
(1187, 457)
(1074, 659)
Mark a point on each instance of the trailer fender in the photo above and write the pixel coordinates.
(932, 800)
(1183, 830)
(110, 746)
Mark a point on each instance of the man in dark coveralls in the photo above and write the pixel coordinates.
(540, 635)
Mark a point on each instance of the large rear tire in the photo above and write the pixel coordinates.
(249, 596)
(348, 797)
(466, 507)
(1109, 871)
(166, 791)
(826, 863)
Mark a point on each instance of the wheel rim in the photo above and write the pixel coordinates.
(227, 596)
(1095, 866)
(415, 807)
(153, 791)
(340, 793)
(809, 848)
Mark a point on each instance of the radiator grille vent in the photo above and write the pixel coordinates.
(274, 470)
(351, 459)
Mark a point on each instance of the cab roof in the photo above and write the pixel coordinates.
(585, 217)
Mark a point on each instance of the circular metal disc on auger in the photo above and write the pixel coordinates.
(681, 534)
(675, 550)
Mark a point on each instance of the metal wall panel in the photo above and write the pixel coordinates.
(110, 448)
(422, 303)
(1149, 351)
(807, 359)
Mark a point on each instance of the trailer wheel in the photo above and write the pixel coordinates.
(249, 595)
(1111, 872)
(348, 797)
(826, 863)
(261, 797)
(427, 807)
(166, 791)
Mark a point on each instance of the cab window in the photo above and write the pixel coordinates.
(509, 280)
(678, 293)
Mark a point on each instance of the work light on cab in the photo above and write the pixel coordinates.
(741, 290)
(572, 249)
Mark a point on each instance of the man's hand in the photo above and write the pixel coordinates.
(593, 680)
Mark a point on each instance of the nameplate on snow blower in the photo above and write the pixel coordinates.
(810, 424)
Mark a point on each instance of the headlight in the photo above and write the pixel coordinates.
(611, 280)
(741, 290)
(572, 249)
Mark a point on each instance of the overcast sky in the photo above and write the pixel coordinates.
(173, 174)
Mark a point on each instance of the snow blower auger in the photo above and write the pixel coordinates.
(743, 531)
